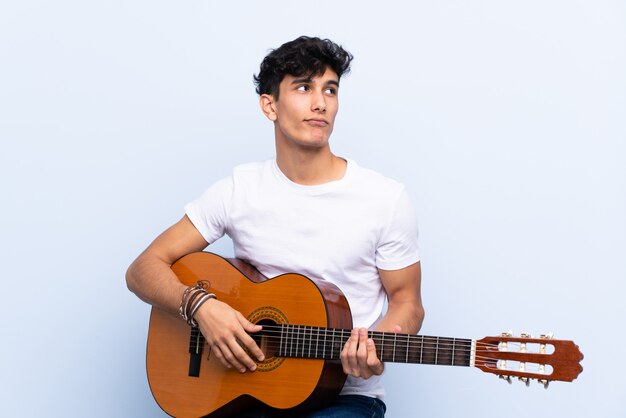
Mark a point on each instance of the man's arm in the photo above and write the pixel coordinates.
(405, 314)
(153, 281)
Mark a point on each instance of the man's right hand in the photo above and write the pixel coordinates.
(226, 331)
(151, 278)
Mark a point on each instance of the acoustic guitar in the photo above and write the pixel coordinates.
(305, 326)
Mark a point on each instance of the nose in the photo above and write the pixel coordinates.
(318, 102)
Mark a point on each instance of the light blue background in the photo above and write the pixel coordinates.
(506, 121)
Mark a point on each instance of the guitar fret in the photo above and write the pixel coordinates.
(382, 343)
(309, 340)
(422, 351)
(297, 328)
(393, 356)
(436, 350)
(408, 345)
(303, 340)
(300, 342)
(317, 342)
(284, 339)
(453, 346)
(303, 329)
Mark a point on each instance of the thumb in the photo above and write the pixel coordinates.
(396, 329)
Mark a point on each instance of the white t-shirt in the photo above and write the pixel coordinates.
(341, 232)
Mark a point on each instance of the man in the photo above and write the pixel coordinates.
(308, 211)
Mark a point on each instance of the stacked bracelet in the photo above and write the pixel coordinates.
(193, 298)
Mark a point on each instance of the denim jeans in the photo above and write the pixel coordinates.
(348, 406)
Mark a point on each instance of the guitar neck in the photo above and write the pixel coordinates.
(326, 343)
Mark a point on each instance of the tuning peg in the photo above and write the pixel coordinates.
(526, 335)
(525, 380)
(544, 382)
(547, 336)
(507, 334)
(507, 378)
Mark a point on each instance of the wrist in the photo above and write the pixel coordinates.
(192, 299)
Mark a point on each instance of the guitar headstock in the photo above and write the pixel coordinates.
(526, 358)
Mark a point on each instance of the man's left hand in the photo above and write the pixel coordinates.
(359, 358)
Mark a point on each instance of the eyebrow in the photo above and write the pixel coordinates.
(309, 80)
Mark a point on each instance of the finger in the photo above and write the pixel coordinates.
(362, 355)
(247, 325)
(362, 349)
(396, 329)
(348, 354)
(242, 348)
(238, 357)
(231, 357)
(223, 345)
(248, 341)
(217, 352)
(250, 348)
(373, 362)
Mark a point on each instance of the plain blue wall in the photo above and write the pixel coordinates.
(506, 121)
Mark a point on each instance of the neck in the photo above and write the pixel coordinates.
(311, 167)
(326, 343)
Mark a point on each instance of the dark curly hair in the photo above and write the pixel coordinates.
(302, 56)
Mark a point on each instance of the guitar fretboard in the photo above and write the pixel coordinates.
(326, 343)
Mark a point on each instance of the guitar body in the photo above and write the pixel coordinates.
(280, 382)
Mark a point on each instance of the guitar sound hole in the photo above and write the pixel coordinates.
(268, 339)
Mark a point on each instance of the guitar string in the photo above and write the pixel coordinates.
(401, 348)
(414, 352)
(409, 345)
(302, 334)
(310, 328)
(428, 357)
(408, 350)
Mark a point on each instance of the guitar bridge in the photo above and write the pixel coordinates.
(196, 344)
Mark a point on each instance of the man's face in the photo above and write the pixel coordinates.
(306, 109)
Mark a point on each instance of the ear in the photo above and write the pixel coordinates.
(267, 106)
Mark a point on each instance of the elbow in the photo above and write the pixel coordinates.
(131, 281)
(420, 313)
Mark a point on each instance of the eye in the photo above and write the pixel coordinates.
(331, 91)
(303, 87)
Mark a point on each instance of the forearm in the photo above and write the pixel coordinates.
(154, 282)
(150, 276)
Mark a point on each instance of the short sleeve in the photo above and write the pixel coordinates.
(209, 212)
(398, 247)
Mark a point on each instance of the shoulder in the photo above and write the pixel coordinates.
(251, 171)
(375, 182)
(252, 167)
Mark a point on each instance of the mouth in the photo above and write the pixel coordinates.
(316, 122)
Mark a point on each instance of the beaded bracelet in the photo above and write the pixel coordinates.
(191, 321)
(193, 297)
